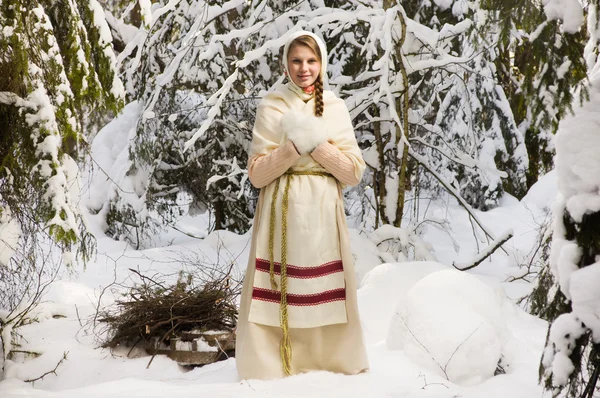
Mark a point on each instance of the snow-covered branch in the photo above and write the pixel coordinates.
(498, 242)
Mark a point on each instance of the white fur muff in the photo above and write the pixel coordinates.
(306, 131)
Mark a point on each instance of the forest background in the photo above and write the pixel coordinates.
(449, 99)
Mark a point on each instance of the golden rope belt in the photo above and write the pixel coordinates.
(285, 346)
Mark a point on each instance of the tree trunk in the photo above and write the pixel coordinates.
(379, 175)
(219, 208)
(403, 166)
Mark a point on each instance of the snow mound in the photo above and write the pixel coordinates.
(543, 192)
(451, 324)
(365, 253)
(382, 288)
(110, 151)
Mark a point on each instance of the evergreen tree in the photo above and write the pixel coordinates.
(567, 291)
(539, 63)
(57, 74)
(571, 363)
(469, 133)
(429, 76)
(502, 106)
(196, 94)
(185, 64)
(56, 65)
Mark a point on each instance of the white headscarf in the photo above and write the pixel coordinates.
(323, 49)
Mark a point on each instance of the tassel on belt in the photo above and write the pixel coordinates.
(285, 346)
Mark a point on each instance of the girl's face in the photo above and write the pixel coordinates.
(303, 65)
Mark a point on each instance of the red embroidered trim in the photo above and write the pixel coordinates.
(294, 271)
(300, 299)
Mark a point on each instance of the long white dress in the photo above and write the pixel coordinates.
(324, 326)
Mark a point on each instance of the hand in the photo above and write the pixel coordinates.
(306, 131)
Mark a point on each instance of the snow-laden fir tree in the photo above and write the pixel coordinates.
(192, 138)
(373, 64)
(570, 365)
(202, 66)
(539, 63)
(510, 95)
(571, 361)
(422, 98)
(57, 73)
(469, 132)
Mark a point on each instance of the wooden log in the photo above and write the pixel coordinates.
(223, 344)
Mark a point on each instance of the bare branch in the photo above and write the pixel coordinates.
(451, 191)
(460, 345)
(487, 252)
(53, 371)
(425, 348)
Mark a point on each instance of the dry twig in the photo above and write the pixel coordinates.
(158, 312)
(53, 371)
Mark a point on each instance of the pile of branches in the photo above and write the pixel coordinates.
(153, 312)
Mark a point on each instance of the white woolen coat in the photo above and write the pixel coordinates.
(329, 339)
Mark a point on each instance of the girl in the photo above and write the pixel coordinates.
(298, 307)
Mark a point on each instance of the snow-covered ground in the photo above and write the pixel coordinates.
(431, 331)
(425, 323)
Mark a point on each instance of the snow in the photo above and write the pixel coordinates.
(123, 31)
(460, 8)
(215, 102)
(450, 323)
(100, 23)
(589, 53)
(443, 4)
(570, 12)
(110, 151)
(566, 329)
(536, 33)
(468, 321)
(391, 199)
(577, 163)
(383, 288)
(8, 31)
(9, 236)
(538, 195)
(371, 157)
(489, 250)
(202, 345)
(578, 173)
(366, 254)
(396, 242)
(146, 11)
(563, 69)
(585, 294)
(568, 261)
(577, 143)
(473, 303)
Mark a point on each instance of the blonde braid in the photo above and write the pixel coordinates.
(319, 96)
